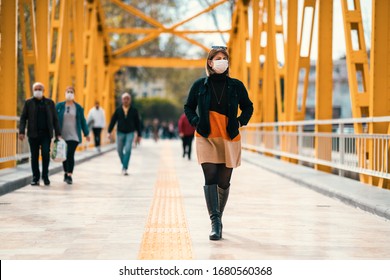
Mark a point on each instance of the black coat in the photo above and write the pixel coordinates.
(199, 99)
(29, 115)
(126, 124)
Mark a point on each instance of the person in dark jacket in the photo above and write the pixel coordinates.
(186, 133)
(41, 117)
(217, 98)
(128, 123)
(72, 122)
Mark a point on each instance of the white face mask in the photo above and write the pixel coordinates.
(38, 93)
(220, 66)
(69, 96)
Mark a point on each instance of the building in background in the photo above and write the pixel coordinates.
(341, 96)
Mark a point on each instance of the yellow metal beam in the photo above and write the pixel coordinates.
(138, 13)
(164, 62)
(291, 61)
(290, 143)
(192, 41)
(42, 42)
(56, 34)
(237, 43)
(139, 30)
(379, 85)
(63, 60)
(27, 16)
(153, 33)
(78, 28)
(8, 76)
(106, 96)
(254, 84)
(357, 61)
(324, 82)
(269, 66)
(101, 21)
(302, 70)
(279, 65)
(358, 72)
(136, 44)
(90, 41)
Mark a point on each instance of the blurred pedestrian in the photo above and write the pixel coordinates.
(171, 130)
(72, 122)
(41, 117)
(217, 98)
(128, 121)
(97, 121)
(155, 129)
(186, 133)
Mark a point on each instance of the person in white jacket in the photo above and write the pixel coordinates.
(97, 121)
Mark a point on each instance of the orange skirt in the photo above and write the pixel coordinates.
(218, 147)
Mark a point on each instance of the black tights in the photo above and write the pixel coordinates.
(217, 174)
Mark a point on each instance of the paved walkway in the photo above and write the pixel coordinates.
(158, 212)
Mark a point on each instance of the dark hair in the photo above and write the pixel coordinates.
(210, 56)
(70, 88)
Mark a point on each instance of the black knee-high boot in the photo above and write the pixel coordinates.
(223, 195)
(211, 195)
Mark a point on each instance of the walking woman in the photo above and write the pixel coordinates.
(217, 98)
(72, 121)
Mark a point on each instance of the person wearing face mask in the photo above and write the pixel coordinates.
(72, 122)
(41, 118)
(212, 107)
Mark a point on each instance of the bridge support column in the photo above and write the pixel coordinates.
(380, 88)
(8, 76)
(324, 84)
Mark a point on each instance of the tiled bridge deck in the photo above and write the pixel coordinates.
(159, 212)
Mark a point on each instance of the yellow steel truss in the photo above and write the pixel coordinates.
(8, 82)
(324, 84)
(379, 87)
(69, 44)
(152, 33)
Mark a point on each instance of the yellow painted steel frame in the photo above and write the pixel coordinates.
(96, 63)
(324, 82)
(358, 72)
(29, 45)
(298, 66)
(269, 89)
(291, 144)
(255, 77)
(303, 61)
(8, 76)
(153, 33)
(35, 46)
(59, 60)
(42, 43)
(379, 88)
(357, 61)
(57, 22)
(76, 52)
(237, 43)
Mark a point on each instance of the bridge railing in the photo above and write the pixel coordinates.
(12, 149)
(341, 149)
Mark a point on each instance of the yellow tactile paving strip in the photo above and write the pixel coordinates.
(166, 235)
